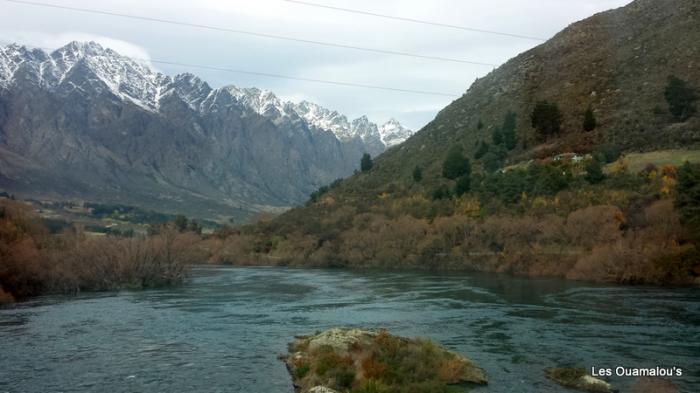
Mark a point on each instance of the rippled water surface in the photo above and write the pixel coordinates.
(223, 330)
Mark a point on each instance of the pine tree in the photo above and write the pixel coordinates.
(441, 192)
(366, 163)
(195, 227)
(497, 137)
(455, 165)
(546, 119)
(181, 223)
(494, 158)
(463, 185)
(482, 150)
(680, 98)
(417, 174)
(510, 139)
(594, 172)
(589, 120)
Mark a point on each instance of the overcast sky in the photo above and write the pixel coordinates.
(45, 27)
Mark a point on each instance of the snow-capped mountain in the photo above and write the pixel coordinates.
(359, 128)
(136, 82)
(393, 133)
(123, 76)
(84, 121)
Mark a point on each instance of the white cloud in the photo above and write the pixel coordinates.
(54, 41)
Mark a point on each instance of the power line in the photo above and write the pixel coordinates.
(250, 33)
(423, 22)
(337, 83)
(279, 76)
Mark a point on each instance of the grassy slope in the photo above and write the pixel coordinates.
(636, 162)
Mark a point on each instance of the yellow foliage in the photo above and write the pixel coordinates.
(468, 206)
(618, 166)
(667, 184)
(540, 202)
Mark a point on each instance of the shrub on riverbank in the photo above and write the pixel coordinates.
(35, 262)
(622, 229)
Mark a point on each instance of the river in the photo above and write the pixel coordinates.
(223, 329)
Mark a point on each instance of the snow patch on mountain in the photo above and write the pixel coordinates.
(123, 76)
(393, 133)
(133, 81)
(324, 119)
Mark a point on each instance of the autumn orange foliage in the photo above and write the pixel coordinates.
(35, 262)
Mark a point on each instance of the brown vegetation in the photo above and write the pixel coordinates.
(610, 233)
(360, 361)
(36, 262)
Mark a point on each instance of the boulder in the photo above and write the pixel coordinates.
(339, 339)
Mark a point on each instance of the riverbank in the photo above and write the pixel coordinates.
(597, 243)
(547, 219)
(37, 262)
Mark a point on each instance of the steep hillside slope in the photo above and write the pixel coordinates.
(85, 122)
(443, 200)
(616, 62)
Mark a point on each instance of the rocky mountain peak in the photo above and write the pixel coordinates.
(263, 102)
(191, 89)
(325, 119)
(365, 129)
(135, 81)
(393, 133)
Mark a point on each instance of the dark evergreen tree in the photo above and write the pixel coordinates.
(442, 192)
(195, 227)
(680, 98)
(589, 120)
(546, 119)
(180, 223)
(510, 139)
(497, 136)
(594, 172)
(366, 163)
(463, 185)
(417, 174)
(547, 180)
(481, 150)
(456, 165)
(479, 125)
(494, 158)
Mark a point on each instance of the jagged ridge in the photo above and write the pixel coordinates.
(135, 81)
